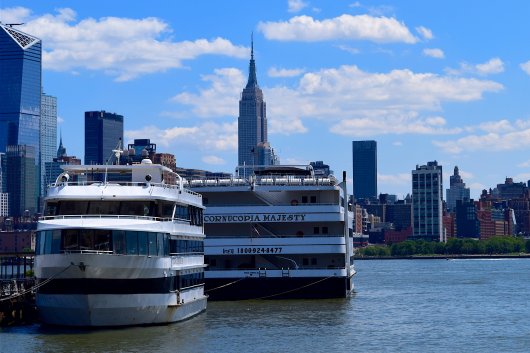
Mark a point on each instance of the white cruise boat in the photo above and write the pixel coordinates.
(120, 245)
(279, 234)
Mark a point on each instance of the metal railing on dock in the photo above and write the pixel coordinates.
(16, 265)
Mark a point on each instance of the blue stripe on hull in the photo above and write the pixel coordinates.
(110, 286)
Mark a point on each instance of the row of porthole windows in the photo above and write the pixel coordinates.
(114, 241)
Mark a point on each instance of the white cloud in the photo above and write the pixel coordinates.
(349, 49)
(295, 5)
(275, 72)
(220, 99)
(360, 27)
(524, 164)
(294, 161)
(434, 53)
(396, 179)
(206, 136)
(214, 160)
(352, 102)
(425, 32)
(492, 66)
(397, 143)
(526, 67)
(507, 137)
(497, 126)
(14, 14)
(121, 47)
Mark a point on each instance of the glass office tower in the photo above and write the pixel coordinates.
(364, 169)
(48, 136)
(20, 88)
(20, 175)
(20, 96)
(103, 133)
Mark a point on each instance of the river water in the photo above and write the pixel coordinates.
(399, 306)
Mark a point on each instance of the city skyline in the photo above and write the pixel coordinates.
(428, 81)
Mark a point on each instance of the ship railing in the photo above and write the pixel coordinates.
(104, 216)
(263, 181)
(211, 236)
(125, 183)
(87, 251)
(291, 203)
(283, 269)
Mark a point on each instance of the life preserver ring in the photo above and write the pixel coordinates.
(294, 202)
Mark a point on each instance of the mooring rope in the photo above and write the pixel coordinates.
(37, 286)
(291, 290)
(224, 285)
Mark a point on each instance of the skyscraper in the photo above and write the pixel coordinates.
(20, 179)
(457, 190)
(20, 92)
(48, 136)
(4, 196)
(253, 147)
(53, 168)
(364, 169)
(427, 202)
(103, 133)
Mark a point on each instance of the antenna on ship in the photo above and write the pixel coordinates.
(117, 152)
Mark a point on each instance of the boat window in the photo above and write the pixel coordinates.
(324, 230)
(102, 240)
(72, 207)
(86, 239)
(161, 241)
(142, 243)
(304, 199)
(137, 208)
(313, 199)
(70, 239)
(48, 242)
(132, 243)
(316, 230)
(104, 207)
(182, 213)
(153, 248)
(165, 209)
(50, 208)
(118, 241)
(38, 243)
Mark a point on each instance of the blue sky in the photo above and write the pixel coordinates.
(428, 80)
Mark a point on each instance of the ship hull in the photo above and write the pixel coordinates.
(278, 288)
(102, 310)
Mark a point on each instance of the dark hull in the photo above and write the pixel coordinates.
(278, 288)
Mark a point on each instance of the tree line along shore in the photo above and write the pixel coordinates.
(455, 247)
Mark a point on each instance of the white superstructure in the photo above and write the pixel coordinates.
(283, 233)
(120, 245)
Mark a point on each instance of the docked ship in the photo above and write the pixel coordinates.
(120, 245)
(283, 232)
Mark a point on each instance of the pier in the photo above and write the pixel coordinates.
(17, 299)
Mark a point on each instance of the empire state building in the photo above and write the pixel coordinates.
(253, 148)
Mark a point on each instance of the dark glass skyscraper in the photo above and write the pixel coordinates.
(253, 147)
(20, 98)
(20, 177)
(20, 88)
(364, 169)
(103, 132)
